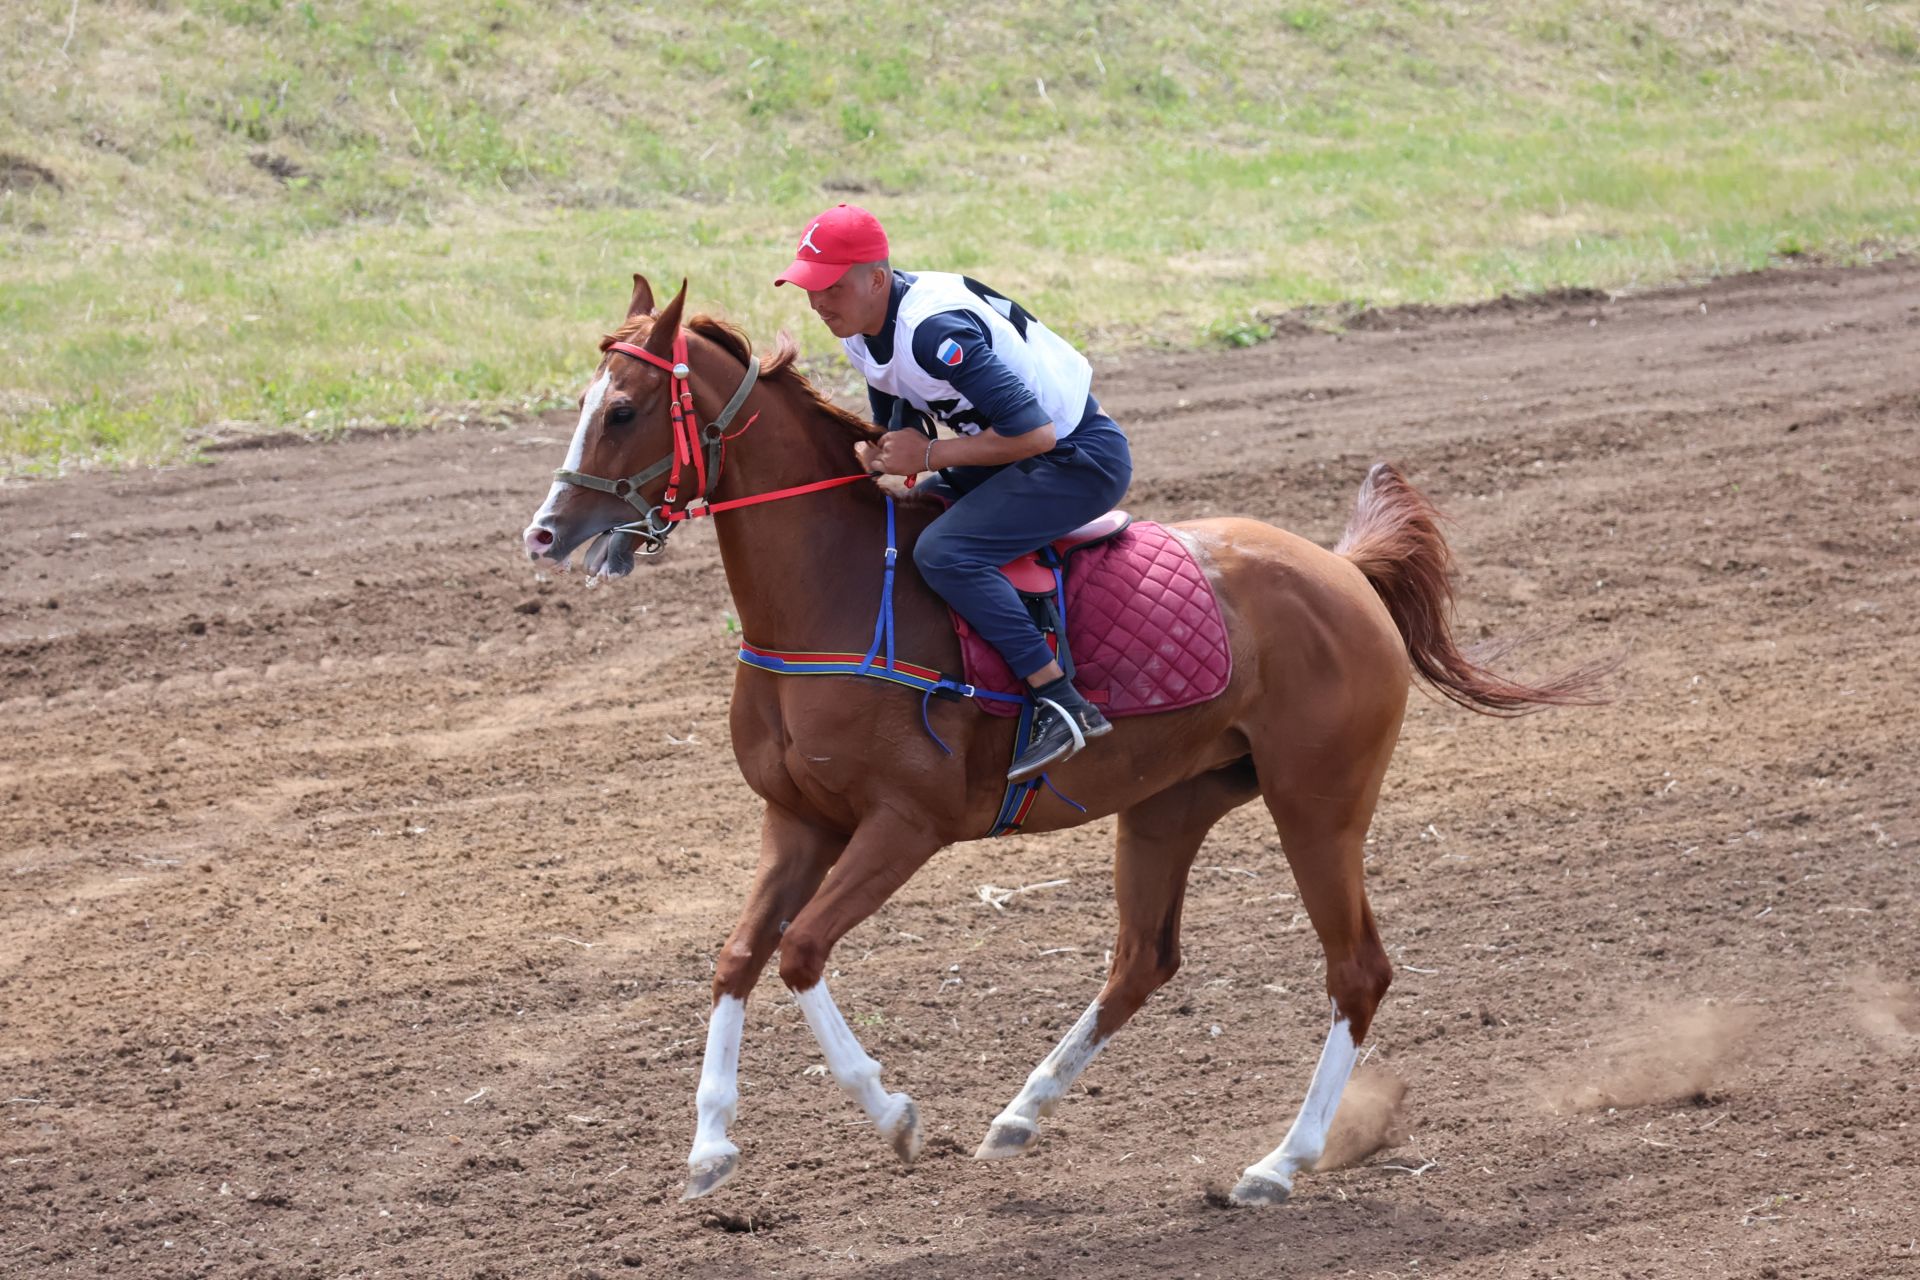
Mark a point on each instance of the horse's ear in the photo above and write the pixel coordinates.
(667, 323)
(642, 304)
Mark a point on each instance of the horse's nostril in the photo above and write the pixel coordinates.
(538, 540)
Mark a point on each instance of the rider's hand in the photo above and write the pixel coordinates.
(897, 453)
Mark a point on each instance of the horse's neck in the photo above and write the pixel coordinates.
(805, 571)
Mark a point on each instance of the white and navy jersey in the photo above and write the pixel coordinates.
(972, 358)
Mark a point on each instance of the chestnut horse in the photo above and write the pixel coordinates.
(858, 796)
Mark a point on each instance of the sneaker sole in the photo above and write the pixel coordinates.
(1035, 770)
(1065, 753)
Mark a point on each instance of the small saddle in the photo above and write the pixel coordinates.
(1032, 574)
(1146, 631)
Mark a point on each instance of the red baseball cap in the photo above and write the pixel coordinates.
(832, 242)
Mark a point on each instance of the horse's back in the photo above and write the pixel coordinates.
(1305, 623)
(1254, 561)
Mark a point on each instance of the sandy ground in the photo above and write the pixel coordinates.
(360, 891)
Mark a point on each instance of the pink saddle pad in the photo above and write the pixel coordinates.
(1142, 623)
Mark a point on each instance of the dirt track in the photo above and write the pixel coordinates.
(359, 893)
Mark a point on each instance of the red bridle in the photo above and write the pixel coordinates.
(687, 444)
(704, 451)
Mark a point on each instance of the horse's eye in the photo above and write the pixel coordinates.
(620, 414)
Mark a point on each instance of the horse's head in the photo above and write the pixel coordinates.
(617, 468)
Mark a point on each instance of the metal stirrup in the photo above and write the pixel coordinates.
(1073, 723)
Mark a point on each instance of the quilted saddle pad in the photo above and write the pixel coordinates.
(1142, 623)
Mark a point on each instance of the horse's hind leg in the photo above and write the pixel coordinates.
(1158, 839)
(1323, 828)
(794, 857)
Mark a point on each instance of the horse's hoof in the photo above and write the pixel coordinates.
(906, 1137)
(1008, 1138)
(1256, 1189)
(708, 1176)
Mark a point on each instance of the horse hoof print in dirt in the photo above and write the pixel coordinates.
(1297, 662)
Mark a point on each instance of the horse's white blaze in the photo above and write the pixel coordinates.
(857, 1073)
(577, 451)
(1307, 1138)
(1055, 1074)
(719, 1092)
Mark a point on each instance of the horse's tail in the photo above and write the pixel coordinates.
(1394, 538)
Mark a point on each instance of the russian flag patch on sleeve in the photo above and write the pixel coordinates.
(951, 353)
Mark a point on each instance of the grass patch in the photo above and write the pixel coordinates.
(234, 215)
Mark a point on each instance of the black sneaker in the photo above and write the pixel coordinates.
(1059, 732)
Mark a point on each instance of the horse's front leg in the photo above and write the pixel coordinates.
(794, 858)
(885, 850)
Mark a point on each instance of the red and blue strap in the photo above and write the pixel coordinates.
(1019, 797)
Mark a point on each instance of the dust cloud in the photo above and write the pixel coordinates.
(1888, 1009)
(1669, 1055)
(1371, 1118)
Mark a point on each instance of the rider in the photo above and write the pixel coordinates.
(1033, 457)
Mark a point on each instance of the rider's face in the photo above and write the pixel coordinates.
(855, 303)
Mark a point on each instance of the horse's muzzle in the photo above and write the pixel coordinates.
(546, 544)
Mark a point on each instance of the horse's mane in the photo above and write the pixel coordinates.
(778, 367)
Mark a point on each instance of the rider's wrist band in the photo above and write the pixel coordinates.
(926, 463)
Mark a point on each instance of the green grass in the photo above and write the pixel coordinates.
(314, 214)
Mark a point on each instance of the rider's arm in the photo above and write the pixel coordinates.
(990, 448)
(882, 405)
(956, 347)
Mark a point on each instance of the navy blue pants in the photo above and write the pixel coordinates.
(1001, 513)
